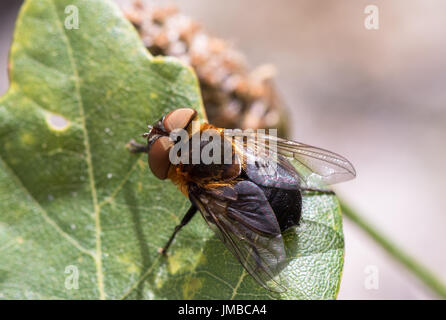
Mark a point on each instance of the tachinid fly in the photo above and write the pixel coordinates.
(245, 207)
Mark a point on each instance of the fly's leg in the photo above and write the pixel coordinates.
(187, 217)
(135, 147)
(316, 190)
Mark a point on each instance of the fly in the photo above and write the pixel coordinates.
(248, 209)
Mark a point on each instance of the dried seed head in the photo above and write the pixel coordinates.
(224, 78)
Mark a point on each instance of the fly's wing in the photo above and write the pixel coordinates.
(267, 159)
(326, 166)
(243, 219)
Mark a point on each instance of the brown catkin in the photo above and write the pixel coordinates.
(233, 96)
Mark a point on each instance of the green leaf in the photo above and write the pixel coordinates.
(72, 198)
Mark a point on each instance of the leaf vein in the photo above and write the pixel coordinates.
(44, 213)
(96, 207)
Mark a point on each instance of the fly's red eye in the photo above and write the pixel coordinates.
(179, 119)
(159, 161)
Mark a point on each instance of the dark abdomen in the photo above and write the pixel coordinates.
(286, 204)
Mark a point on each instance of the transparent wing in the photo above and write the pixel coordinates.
(330, 167)
(243, 219)
(272, 155)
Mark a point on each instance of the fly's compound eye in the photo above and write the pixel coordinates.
(159, 161)
(179, 119)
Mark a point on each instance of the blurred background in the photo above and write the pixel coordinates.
(377, 97)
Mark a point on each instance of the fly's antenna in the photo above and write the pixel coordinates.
(146, 134)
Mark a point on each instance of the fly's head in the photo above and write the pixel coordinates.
(159, 142)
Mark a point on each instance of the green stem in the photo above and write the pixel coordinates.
(420, 271)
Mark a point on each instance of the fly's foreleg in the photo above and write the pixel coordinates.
(316, 190)
(187, 217)
(135, 147)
